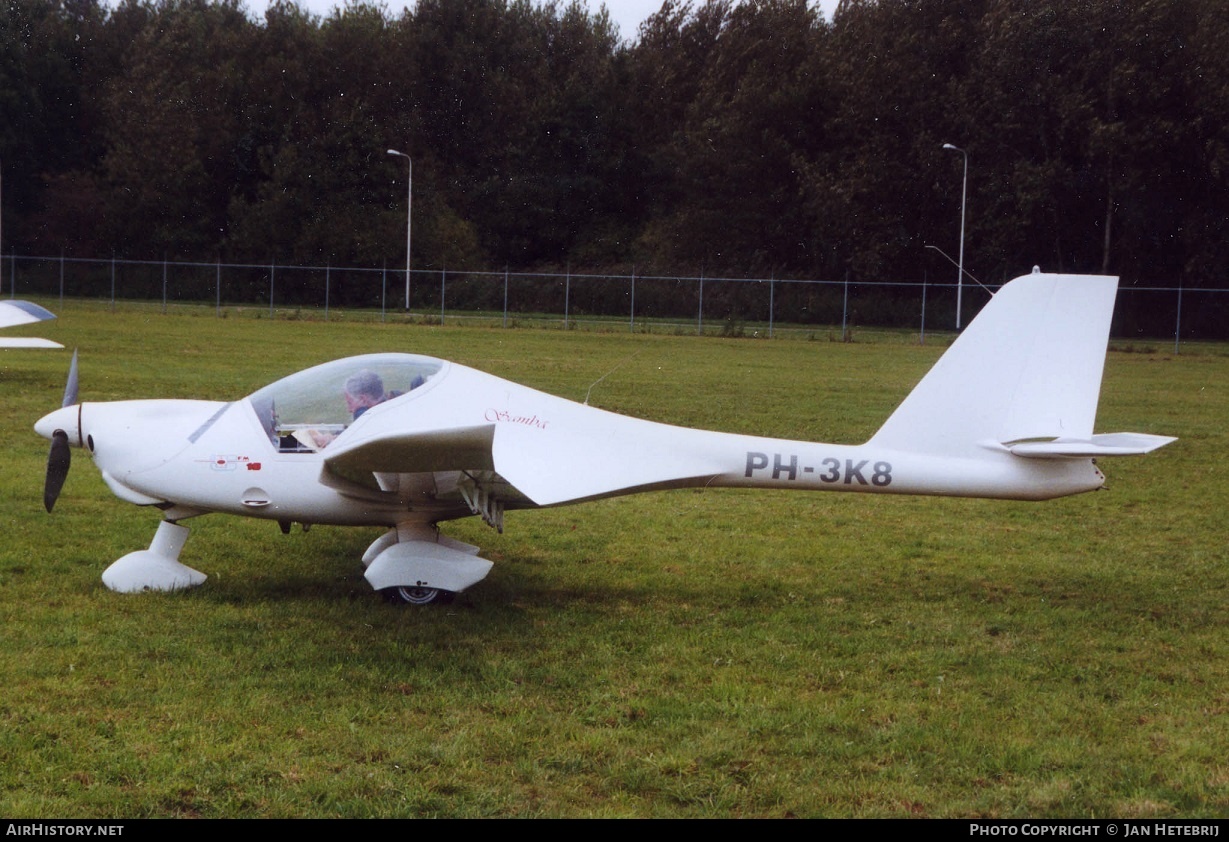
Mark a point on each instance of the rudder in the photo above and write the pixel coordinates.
(1027, 367)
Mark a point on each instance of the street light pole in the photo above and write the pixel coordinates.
(409, 206)
(964, 192)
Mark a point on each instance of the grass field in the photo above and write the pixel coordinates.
(716, 653)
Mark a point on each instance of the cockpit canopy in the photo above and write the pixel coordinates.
(305, 411)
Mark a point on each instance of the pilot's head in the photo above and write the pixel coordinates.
(364, 390)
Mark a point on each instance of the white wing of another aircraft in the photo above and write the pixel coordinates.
(13, 313)
(407, 442)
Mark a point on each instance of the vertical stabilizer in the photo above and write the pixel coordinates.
(1028, 367)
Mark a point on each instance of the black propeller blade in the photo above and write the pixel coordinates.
(61, 456)
(58, 462)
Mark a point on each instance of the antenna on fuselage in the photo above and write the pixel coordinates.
(619, 365)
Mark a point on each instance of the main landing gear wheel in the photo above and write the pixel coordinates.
(414, 595)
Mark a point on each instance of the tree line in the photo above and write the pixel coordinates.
(736, 139)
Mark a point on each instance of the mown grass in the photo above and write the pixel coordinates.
(715, 653)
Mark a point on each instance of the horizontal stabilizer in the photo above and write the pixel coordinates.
(1106, 444)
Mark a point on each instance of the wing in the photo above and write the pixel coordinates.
(613, 455)
(414, 452)
(519, 444)
(14, 312)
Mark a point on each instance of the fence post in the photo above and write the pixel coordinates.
(217, 285)
(272, 270)
(633, 309)
(845, 309)
(113, 283)
(700, 309)
(1178, 323)
(327, 269)
(443, 276)
(383, 288)
(61, 279)
(772, 284)
(164, 283)
(567, 294)
(922, 335)
(505, 295)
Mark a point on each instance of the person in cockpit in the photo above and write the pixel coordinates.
(363, 390)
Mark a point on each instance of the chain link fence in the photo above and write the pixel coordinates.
(704, 305)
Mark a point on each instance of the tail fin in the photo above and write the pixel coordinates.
(1025, 373)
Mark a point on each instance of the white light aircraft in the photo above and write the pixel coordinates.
(14, 312)
(406, 442)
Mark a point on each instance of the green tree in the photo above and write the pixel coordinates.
(1206, 226)
(73, 58)
(513, 104)
(173, 125)
(1083, 111)
(897, 69)
(757, 120)
(48, 51)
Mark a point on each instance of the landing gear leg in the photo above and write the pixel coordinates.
(155, 569)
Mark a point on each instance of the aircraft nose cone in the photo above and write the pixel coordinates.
(66, 418)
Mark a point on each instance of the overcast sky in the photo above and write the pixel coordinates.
(627, 14)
